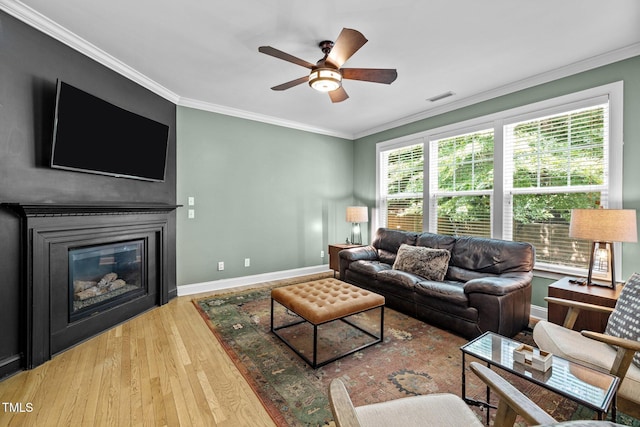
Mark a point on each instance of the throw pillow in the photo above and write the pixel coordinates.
(426, 262)
(624, 322)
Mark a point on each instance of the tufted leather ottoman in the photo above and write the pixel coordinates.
(323, 301)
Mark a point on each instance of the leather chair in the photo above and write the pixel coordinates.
(442, 409)
(600, 351)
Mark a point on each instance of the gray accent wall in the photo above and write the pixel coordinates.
(627, 71)
(30, 63)
(272, 194)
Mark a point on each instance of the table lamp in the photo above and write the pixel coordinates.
(356, 215)
(603, 227)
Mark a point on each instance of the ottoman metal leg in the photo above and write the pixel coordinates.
(314, 361)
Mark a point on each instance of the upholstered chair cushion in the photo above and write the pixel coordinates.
(425, 262)
(572, 345)
(624, 322)
(434, 410)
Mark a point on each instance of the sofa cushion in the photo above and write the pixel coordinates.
(400, 278)
(492, 256)
(436, 241)
(463, 275)
(624, 322)
(449, 291)
(425, 262)
(369, 268)
(388, 242)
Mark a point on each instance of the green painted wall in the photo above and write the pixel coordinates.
(278, 195)
(627, 71)
(269, 193)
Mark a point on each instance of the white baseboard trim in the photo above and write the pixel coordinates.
(235, 282)
(538, 313)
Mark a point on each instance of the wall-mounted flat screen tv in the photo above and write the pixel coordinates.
(95, 136)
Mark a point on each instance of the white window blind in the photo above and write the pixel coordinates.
(552, 165)
(513, 175)
(402, 187)
(461, 177)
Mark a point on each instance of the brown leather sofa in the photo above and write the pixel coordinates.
(487, 286)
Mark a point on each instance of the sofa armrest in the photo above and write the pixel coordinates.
(499, 285)
(361, 253)
(503, 302)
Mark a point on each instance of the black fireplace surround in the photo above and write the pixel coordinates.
(50, 232)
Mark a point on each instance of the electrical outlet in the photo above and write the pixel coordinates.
(220, 265)
(191, 213)
(191, 200)
(321, 254)
(247, 262)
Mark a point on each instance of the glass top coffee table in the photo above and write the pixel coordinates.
(593, 389)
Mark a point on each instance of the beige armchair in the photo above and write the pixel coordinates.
(442, 410)
(597, 350)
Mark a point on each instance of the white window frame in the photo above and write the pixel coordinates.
(381, 193)
(431, 222)
(614, 92)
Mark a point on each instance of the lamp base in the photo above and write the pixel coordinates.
(582, 281)
(356, 235)
(612, 285)
(602, 285)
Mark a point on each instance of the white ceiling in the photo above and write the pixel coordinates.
(204, 54)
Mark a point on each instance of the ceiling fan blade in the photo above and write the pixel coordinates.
(292, 83)
(347, 43)
(338, 95)
(271, 51)
(376, 75)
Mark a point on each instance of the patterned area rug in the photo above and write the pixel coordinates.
(414, 358)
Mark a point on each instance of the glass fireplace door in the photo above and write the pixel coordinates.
(102, 276)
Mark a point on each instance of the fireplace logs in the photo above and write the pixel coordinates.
(85, 289)
(89, 292)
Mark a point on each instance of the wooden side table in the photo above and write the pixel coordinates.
(598, 295)
(334, 259)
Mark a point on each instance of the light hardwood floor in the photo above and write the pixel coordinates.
(163, 368)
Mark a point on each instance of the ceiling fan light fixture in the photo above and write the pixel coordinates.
(325, 79)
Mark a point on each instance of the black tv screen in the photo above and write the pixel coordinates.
(95, 136)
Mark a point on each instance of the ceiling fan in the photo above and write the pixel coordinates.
(326, 74)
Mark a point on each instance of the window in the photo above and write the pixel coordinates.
(461, 181)
(555, 164)
(513, 175)
(402, 187)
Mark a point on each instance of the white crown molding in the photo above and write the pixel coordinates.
(243, 114)
(41, 23)
(54, 30)
(565, 71)
(45, 25)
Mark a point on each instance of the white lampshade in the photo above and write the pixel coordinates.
(357, 214)
(604, 225)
